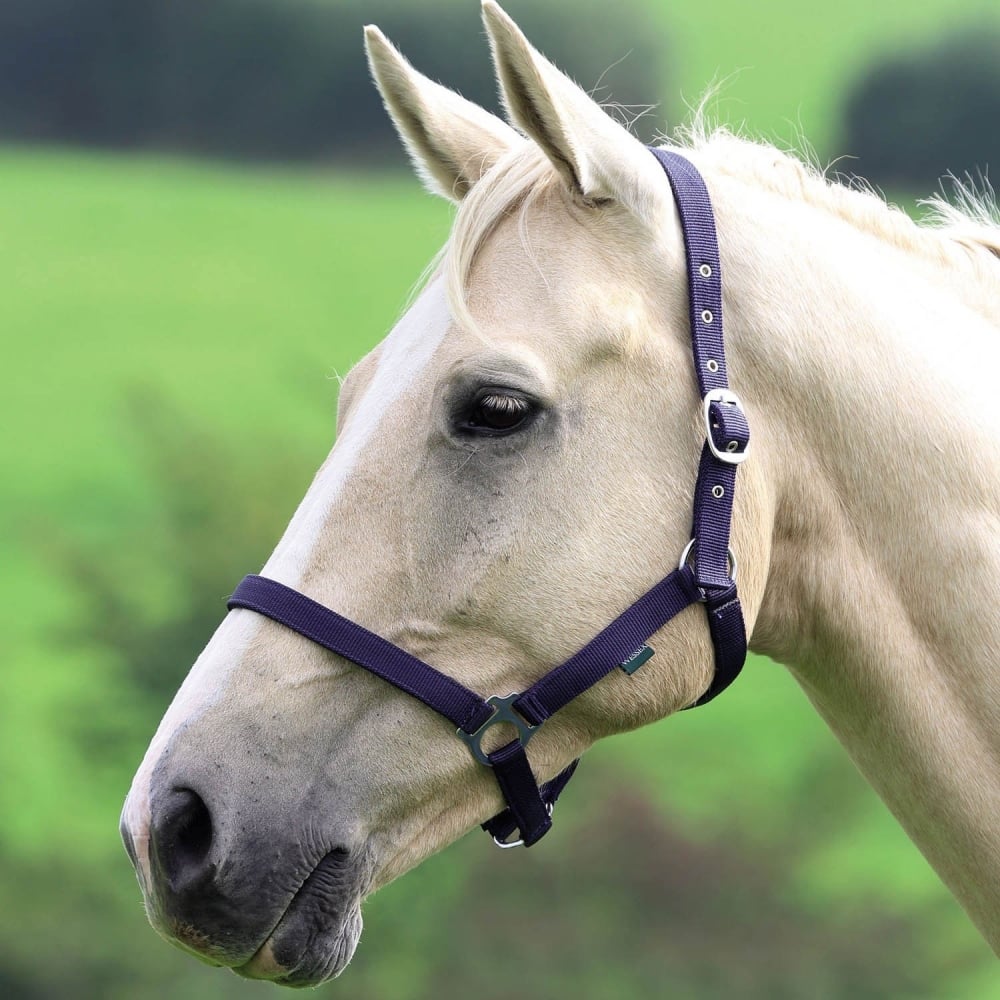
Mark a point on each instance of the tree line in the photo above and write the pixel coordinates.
(287, 79)
(274, 79)
(918, 114)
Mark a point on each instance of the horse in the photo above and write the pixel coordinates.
(516, 463)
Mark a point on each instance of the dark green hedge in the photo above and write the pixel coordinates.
(915, 117)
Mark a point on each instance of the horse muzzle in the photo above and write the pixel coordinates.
(268, 896)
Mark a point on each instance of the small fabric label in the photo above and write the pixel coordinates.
(637, 659)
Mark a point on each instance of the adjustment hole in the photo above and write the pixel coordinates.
(705, 270)
(712, 365)
(706, 316)
(718, 492)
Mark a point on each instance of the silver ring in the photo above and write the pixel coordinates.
(730, 557)
(505, 845)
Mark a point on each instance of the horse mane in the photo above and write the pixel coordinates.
(971, 218)
(963, 232)
(949, 228)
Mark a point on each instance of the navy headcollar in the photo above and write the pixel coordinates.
(706, 573)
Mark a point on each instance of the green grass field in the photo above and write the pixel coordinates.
(235, 296)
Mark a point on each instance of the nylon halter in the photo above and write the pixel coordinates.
(705, 575)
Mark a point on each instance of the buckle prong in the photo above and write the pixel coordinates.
(731, 456)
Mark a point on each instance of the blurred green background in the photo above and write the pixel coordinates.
(204, 219)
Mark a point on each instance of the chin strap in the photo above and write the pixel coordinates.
(706, 575)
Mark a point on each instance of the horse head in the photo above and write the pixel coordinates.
(514, 465)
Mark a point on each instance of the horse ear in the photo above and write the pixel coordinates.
(597, 157)
(451, 141)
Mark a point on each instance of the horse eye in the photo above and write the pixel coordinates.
(496, 412)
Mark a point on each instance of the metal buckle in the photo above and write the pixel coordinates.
(503, 711)
(730, 558)
(505, 845)
(730, 398)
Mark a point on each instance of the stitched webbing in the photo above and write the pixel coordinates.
(348, 639)
(610, 648)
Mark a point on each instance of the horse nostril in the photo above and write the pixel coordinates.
(181, 835)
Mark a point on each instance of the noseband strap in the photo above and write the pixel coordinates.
(705, 575)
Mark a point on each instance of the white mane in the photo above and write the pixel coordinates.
(972, 221)
(962, 232)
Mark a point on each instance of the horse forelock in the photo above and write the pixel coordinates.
(512, 185)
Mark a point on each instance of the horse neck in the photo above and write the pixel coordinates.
(868, 370)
